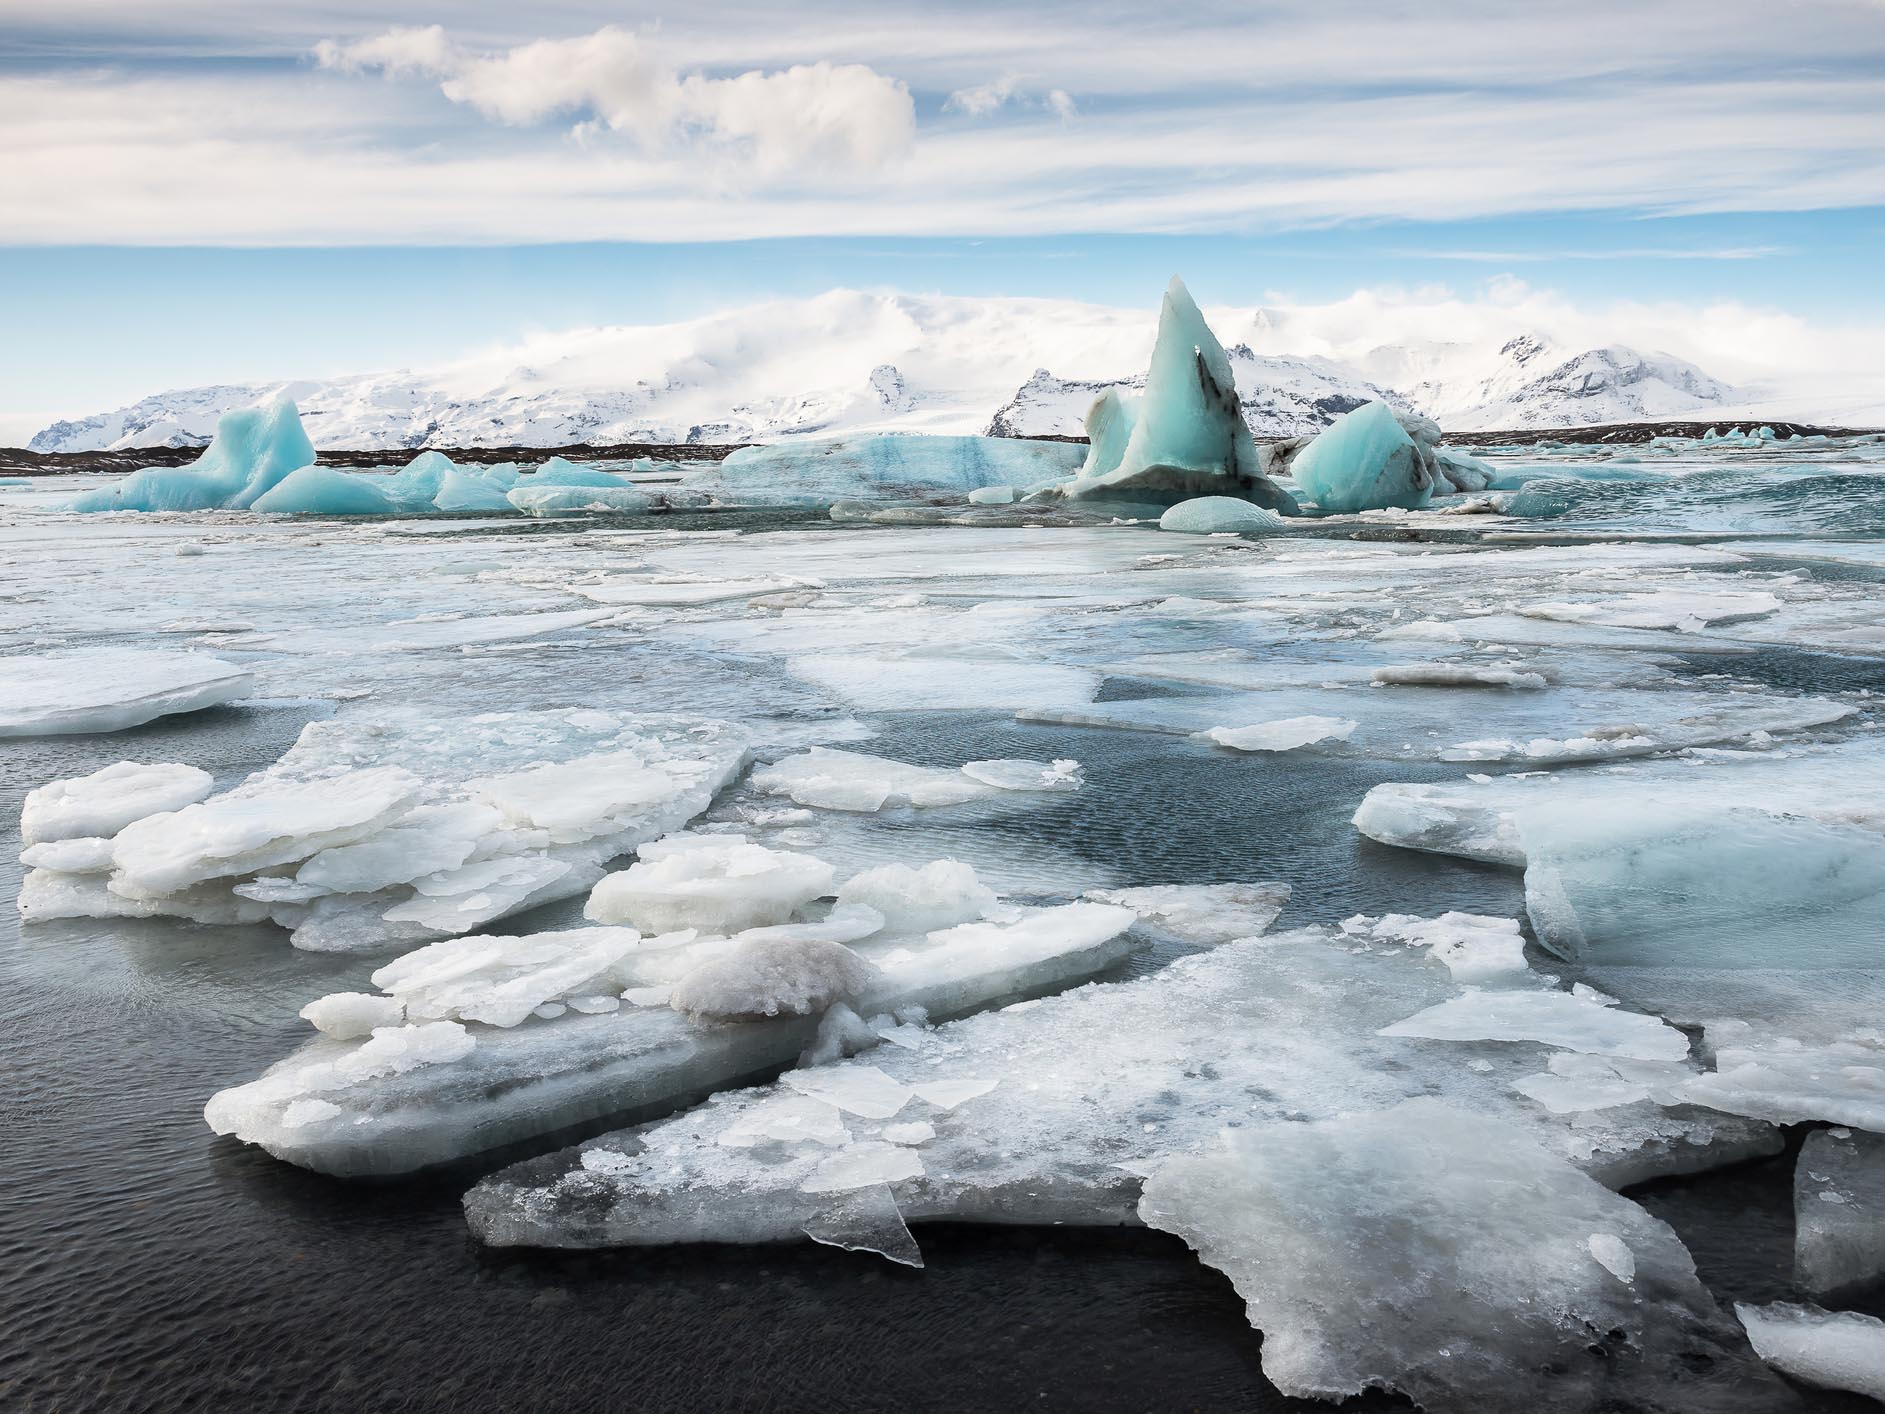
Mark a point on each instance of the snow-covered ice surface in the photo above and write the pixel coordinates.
(1615, 764)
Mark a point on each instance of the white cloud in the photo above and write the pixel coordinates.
(806, 114)
(983, 99)
(1219, 117)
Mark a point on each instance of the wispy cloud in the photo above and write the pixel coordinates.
(743, 120)
(1525, 257)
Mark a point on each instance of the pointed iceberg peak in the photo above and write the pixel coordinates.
(1185, 435)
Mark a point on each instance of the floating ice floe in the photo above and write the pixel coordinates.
(1364, 461)
(568, 1028)
(1056, 1112)
(1203, 914)
(375, 831)
(720, 883)
(1830, 1349)
(1285, 734)
(883, 467)
(825, 779)
(1738, 894)
(1381, 1250)
(110, 689)
(1184, 437)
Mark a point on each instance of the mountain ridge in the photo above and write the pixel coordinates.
(851, 362)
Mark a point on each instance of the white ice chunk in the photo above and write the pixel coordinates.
(1830, 1349)
(768, 977)
(1442, 1254)
(863, 1166)
(1284, 734)
(104, 802)
(1839, 1210)
(861, 1090)
(348, 1016)
(847, 780)
(722, 886)
(239, 833)
(1474, 947)
(1564, 1019)
(1208, 914)
(941, 894)
(110, 689)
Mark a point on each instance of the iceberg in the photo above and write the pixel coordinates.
(1184, 437)
(253, 449)
(880, 468)
(1364, 461)
(375, 831)
(110, 689)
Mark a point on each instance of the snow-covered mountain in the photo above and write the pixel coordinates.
(849, 361)
(1530, 383)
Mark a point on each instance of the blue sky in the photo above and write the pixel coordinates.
(220, 191)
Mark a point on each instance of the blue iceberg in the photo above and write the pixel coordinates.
(1218, 515)
(1185, 436)
(1365, 461)
(254, 449)
(323, 491)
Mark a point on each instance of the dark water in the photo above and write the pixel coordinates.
(150, 1266)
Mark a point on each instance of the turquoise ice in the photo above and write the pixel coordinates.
(253, 450)
(1185, 436)
(1364, 462)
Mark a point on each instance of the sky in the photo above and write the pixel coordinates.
(232, 192)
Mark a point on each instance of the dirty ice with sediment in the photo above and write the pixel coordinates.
(1380, 866)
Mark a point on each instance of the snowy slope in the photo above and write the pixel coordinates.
(1531, 383)
(850, 361)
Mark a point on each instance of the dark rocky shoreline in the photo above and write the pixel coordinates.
(19, 461)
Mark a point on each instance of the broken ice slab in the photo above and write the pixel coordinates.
(110, 689)
(1056, 1111)
(825, 779)
(1830, 1349)
(1202, 914)
(1839, 1210)
(1479, 817)
(1449, 1257)
(376, 830)
(323, 1109)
